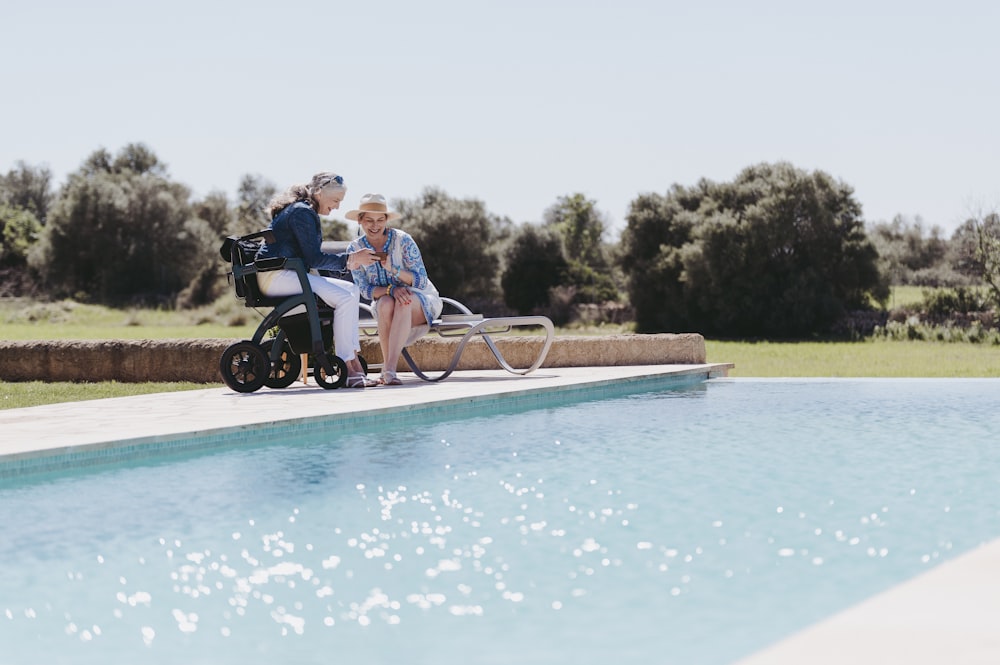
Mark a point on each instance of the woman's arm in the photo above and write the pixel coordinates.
(360, 275)
(412, 272)
(304, 224)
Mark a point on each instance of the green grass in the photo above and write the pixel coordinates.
(914, 296)
(22, 319)
(36, 393)
(228, 319)
(878, 358)
(907, 296)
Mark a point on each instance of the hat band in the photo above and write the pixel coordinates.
(373, 207)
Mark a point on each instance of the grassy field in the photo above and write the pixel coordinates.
(856, 359)
(905, 296)
(35, 393)
(26, 320)
(22, 319)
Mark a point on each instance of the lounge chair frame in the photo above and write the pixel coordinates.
(470, 326)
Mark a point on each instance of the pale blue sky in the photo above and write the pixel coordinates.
(518, 102)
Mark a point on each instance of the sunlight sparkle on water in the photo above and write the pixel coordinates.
(447, 532)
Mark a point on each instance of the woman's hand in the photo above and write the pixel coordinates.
(402, 295)
(361, 258)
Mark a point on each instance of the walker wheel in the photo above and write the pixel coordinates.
(286, 369)
(331, 382)
(244, 367)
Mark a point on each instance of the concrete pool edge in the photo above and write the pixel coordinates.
(51, 438)
(947, 614)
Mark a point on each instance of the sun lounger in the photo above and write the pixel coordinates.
(469, 326)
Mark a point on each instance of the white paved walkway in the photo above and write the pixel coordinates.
(63, 426)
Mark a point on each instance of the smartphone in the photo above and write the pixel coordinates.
(381, 255)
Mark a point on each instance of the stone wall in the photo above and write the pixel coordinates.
(197, 360)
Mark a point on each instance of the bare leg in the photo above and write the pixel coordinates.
(399, 330)
(396, 321)
(386, 312)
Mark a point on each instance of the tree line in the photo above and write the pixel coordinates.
(778, 252)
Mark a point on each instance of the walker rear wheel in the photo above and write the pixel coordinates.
(244, 367)
(286, 369)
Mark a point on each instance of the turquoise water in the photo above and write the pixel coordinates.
(684, 526)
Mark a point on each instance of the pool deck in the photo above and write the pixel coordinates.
(950, 614)
(61, 427)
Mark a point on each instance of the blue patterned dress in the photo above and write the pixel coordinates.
(370, 277)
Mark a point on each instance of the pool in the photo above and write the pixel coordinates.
(692, 525)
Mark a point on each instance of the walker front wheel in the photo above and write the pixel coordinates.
(338, 380)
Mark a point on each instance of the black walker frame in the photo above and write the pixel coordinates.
(248, 365)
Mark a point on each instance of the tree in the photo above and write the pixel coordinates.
(334, 229)
(779, 252)
(19, 229)
(459, 241)
(581, 227)
(122, 231)
(534, 265)
(213, 220)
(252, 198)
(214, 210)
(658, 227)
(137, 158)
(28, 188)
(988, 252)
(909, 254)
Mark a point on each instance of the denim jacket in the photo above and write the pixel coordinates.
(297, 234)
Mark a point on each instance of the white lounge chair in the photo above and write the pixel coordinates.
(468, 326)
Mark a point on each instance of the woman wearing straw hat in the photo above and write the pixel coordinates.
(405, 299)
(298, 234)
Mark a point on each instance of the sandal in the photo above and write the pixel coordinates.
(389, 379)
(360, 381)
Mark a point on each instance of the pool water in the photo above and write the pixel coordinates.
(693, 525)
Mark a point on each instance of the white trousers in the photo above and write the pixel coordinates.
(343, 296)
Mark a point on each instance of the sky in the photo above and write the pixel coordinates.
(518, 103)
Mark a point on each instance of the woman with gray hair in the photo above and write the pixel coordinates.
(298, 234)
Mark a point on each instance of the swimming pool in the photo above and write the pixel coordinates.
(680, 526)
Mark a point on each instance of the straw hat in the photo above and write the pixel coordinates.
(374, 203)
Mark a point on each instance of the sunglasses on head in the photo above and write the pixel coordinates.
(337, 179)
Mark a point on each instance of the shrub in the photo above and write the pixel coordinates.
(778, 253)
(912, 329)
(943, 304)
(535, 264)
(122, 232)
(19, 230)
